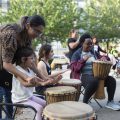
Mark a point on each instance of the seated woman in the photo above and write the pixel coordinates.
(45, 54)
(81, 63)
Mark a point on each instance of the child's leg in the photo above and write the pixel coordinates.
(38, 100)
(37, 106)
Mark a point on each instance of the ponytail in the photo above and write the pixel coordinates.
(44, 51)
(23, 22)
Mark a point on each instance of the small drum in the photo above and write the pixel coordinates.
(68, 110)
(101, 70)
(60, 93)
(72, 82)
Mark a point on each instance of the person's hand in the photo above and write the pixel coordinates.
(33, 65)
(57, 79)
(63, 71)
(103, 58)
(86, 57)
(48, 78)
(44, 83)
(33, 80)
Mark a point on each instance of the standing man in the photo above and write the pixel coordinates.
(73, 43)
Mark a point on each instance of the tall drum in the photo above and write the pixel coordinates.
(101, 70)
(68, 110)
(74, 83)
(60, 93)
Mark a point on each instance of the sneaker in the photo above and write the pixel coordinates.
(112, 105)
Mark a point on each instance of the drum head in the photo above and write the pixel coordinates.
(102, 62)
(60, 90)
(70, 81)
(68, 110)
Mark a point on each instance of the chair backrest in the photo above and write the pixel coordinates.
(15, 110)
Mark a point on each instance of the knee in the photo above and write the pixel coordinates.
(39, 108)
(44, 104)
(95, 83)
(111, 80)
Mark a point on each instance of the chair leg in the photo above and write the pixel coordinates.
(7, 114)
(14, 112)
(95, 101)
(98, 103)
(82, 92)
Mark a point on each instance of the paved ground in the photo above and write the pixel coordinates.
(102, 113)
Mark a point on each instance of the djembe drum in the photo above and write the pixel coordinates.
(60, 93)
(74, 83)
(101, 70)
(68, 110)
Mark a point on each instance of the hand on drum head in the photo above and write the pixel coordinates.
(33, 80)
(103, 58)
(44, 83)
(57, 79)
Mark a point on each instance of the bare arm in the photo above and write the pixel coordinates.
(25, 83)
(12, 69)
(58, 73)
(38, 73)
(42, 68)
(37, 83)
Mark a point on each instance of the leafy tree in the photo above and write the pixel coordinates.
(59, 15)
(102, 18)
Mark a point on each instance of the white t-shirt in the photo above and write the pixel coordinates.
(19, 92)
(96, 48)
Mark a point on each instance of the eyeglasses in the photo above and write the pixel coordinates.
(37, 32)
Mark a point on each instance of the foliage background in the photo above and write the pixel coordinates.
(99, 17)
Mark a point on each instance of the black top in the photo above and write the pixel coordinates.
(48, 68)
(71, 51)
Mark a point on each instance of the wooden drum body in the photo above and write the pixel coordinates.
(74, 83)
(68, 110)
(101, 70)
(60, 93)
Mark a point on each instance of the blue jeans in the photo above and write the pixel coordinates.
(7, 97)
